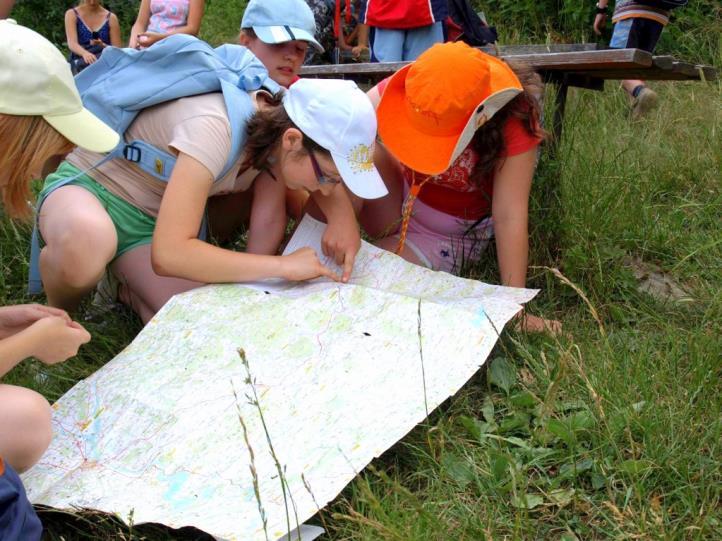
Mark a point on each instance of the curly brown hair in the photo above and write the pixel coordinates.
(488, 141)
(265, 129)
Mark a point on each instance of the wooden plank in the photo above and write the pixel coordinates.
(685, 68)
(590, 60)
(694, 71)
(582, 65)
(586, 60)
(539, 48)
(708, 72)
(649, 74)
(663, 62)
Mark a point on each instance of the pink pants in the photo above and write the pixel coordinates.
(444, 242)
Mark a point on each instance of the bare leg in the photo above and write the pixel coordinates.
(141, 288)
(25, 430)
(630, 84)
(645, 100)
(80, 241)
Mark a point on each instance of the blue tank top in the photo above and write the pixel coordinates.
(85, 34)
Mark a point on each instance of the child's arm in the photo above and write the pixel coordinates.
(268, 215)
(6, 6)
(600, 19)
(510, 211)
(342, 238)
(51, 339)
(176, 251)
(193, 23)
(363, 39)
(115, 31)
(141, 23)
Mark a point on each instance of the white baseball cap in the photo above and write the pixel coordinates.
(278, 21)
(338, 116)
(35, 80)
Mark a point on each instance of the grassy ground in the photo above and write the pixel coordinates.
(612, 432)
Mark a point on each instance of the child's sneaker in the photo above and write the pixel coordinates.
(645, 101)
(105, 298)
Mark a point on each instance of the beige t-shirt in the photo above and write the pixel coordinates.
(197, 126)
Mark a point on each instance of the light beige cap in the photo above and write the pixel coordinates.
(35, 80)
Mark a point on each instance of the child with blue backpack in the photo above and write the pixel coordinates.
(89, 215)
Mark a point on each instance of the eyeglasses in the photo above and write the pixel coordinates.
(322, 179)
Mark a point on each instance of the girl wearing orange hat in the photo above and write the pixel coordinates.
(461, 133)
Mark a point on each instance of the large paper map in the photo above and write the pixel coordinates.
(178, 429)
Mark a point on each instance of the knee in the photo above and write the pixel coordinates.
(78, 256)
(30, 430)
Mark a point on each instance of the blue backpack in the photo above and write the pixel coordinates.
(123, 82)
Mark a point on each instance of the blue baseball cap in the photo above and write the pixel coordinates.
(278, 21)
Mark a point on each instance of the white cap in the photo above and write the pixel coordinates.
(338, 116)
(279, 21)
(35, 80)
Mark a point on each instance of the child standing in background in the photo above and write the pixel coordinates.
(637, 25)
(401, 29)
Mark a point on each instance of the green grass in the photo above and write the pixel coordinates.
(603, 434)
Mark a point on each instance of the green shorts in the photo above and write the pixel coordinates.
(133, 226)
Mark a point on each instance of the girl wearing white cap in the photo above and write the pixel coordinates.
(323, 132)
(40, 115)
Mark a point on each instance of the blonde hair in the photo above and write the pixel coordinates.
(28, 142)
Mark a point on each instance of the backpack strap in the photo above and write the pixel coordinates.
(147, 157)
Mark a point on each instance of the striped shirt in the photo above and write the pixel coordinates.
(629, 9)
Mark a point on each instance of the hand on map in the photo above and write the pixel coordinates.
(341, 241)
(14, 319)
(55, 339)
(304, 264)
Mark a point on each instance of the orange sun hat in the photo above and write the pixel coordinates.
(431, 108)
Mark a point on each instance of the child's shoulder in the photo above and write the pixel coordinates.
(203, 114)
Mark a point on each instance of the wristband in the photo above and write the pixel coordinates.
(602, 10)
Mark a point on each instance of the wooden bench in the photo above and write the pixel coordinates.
(565, 65)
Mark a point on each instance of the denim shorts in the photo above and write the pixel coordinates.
(636, 33)
(18, 521)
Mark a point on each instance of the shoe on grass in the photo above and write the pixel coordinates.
(645, 101)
